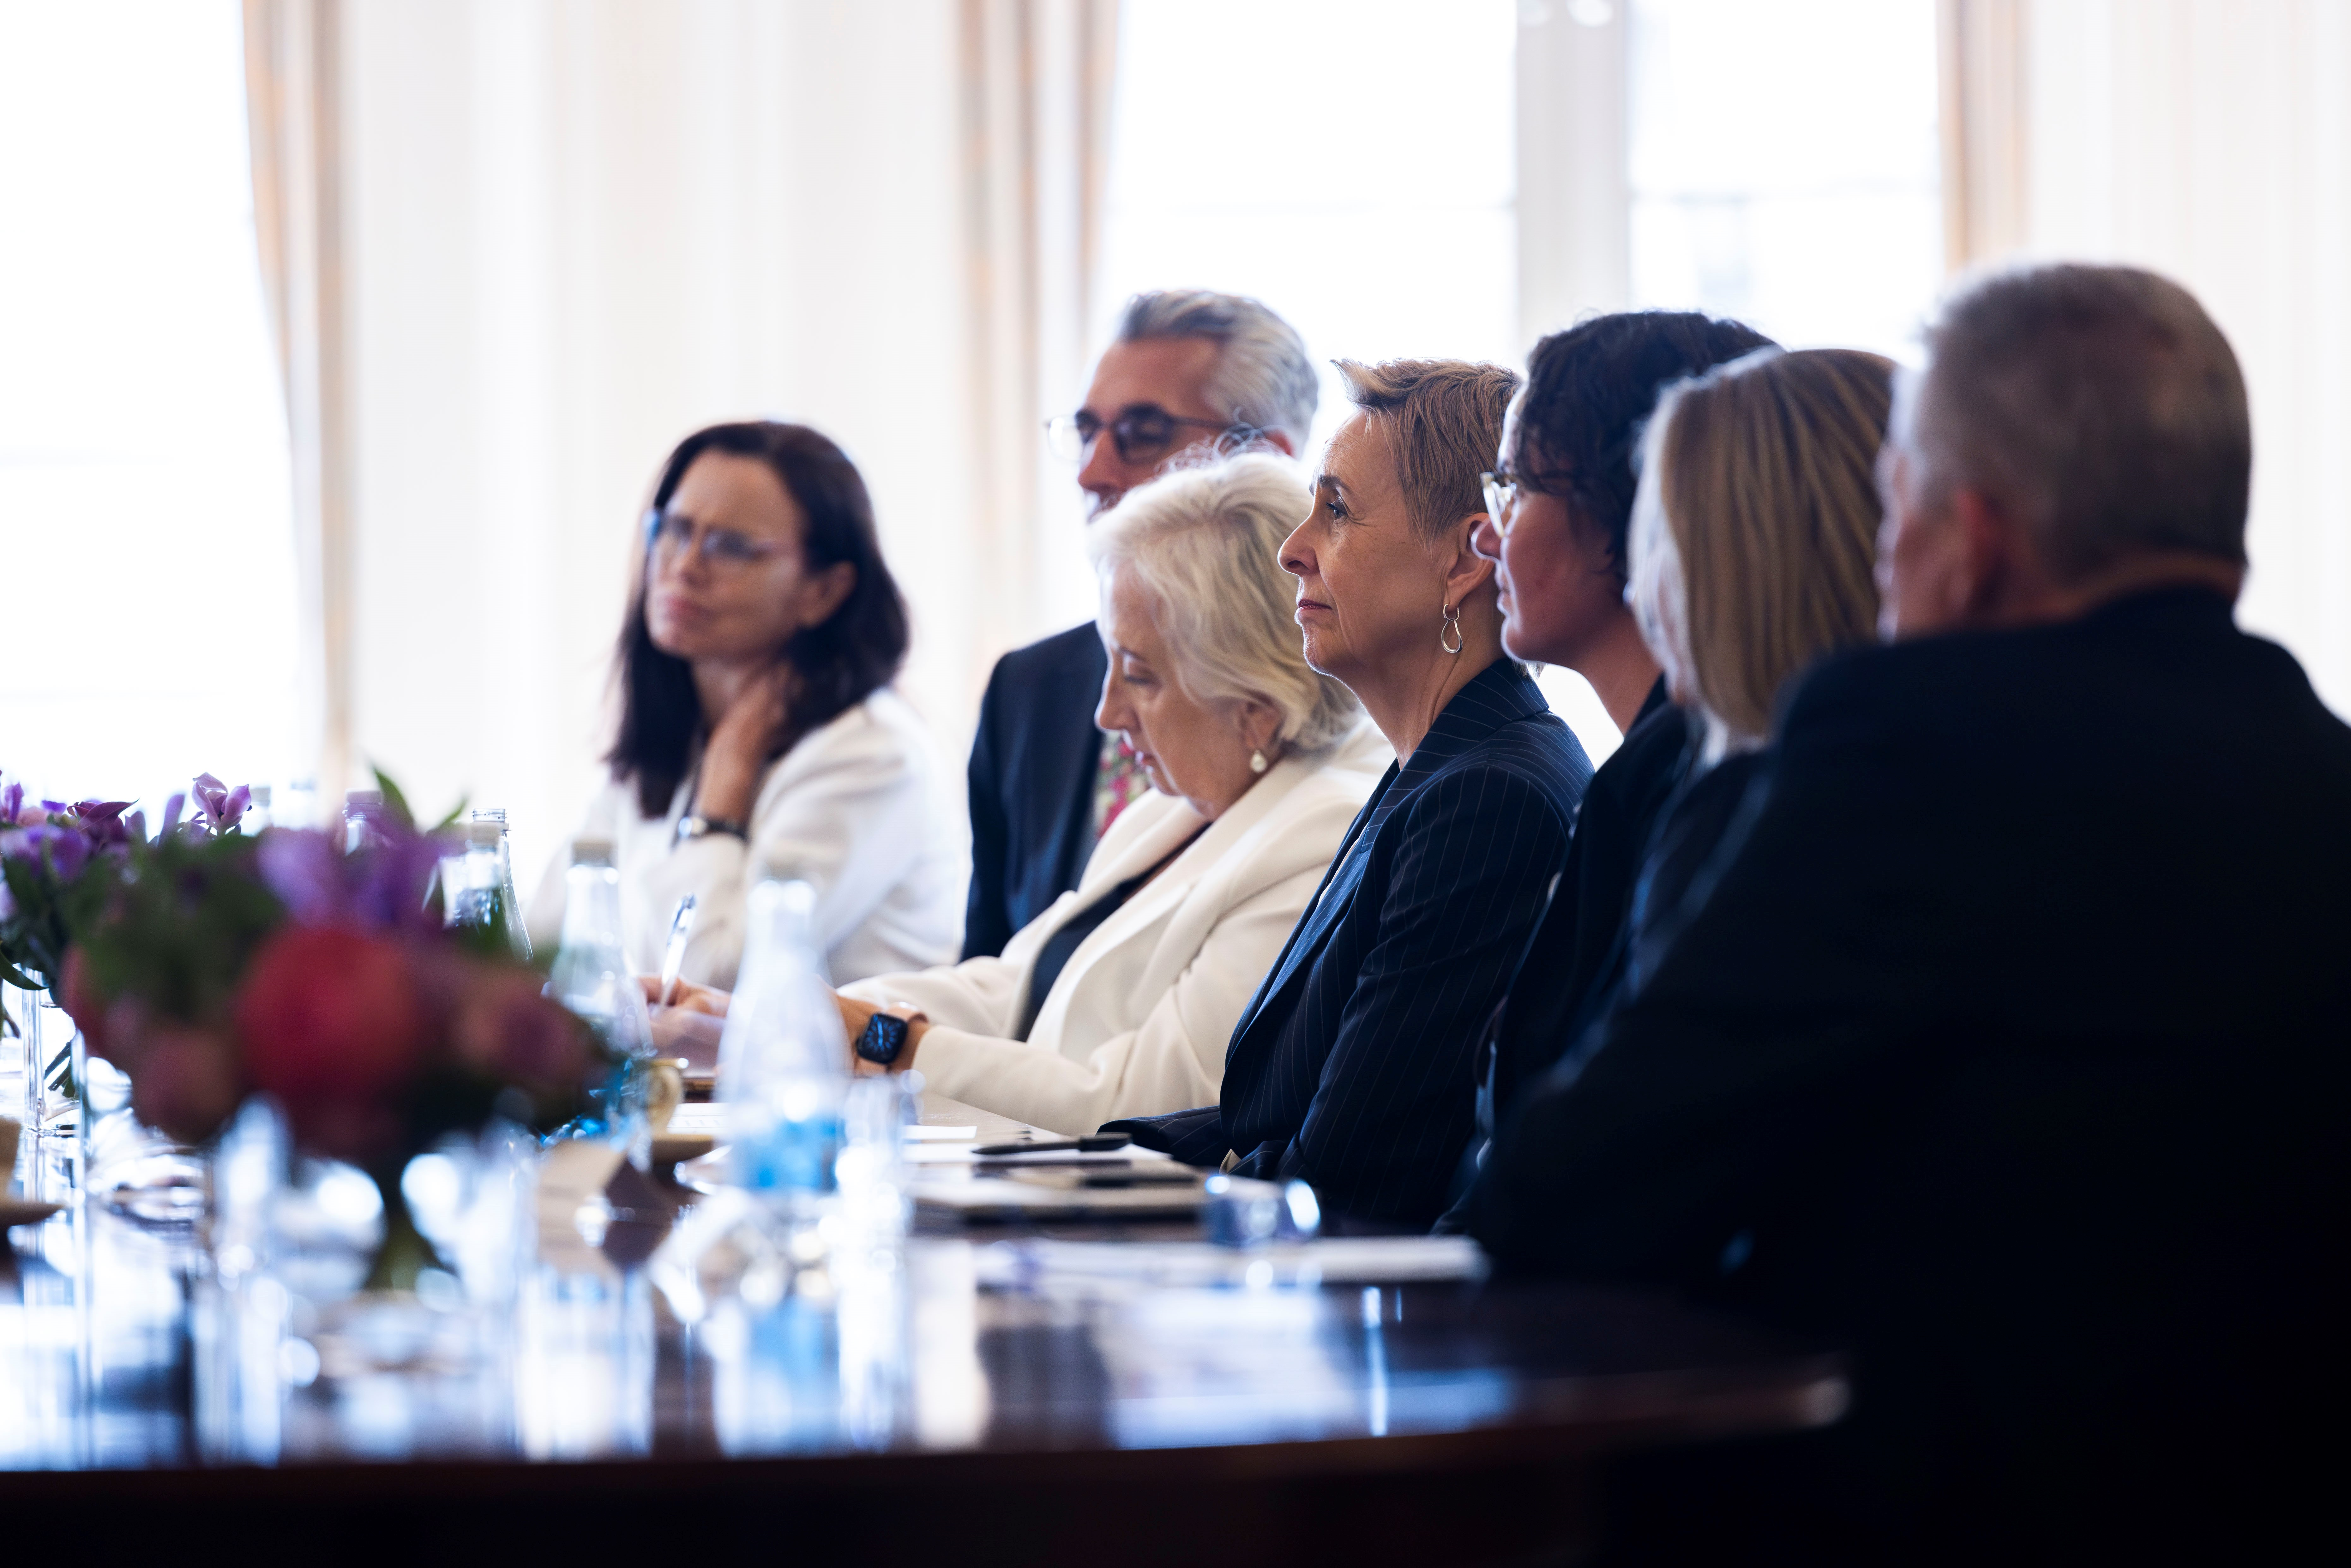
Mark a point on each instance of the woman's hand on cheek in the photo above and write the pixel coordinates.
(737, 752)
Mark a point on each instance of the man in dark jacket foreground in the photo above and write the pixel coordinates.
(2004, 1042)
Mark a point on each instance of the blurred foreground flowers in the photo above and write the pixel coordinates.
(209, 965)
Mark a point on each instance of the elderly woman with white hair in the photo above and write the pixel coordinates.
(1119, 998)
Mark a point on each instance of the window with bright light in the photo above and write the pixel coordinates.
(147, 598)
(1351, 162)
(1786, 168)
(1348, 162)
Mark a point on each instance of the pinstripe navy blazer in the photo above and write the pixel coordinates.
(1351, 1067)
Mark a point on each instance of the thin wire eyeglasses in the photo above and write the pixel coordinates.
(669, 535)
(1501, 500)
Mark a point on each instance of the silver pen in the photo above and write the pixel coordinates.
(681, 927)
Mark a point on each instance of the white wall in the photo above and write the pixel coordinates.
(579, 230)
(2210, 140)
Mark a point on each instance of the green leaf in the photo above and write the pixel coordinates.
(393, 800)
(19, 978)
(456, 814)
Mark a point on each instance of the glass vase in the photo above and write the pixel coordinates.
(136, 1171)
(53, 1065)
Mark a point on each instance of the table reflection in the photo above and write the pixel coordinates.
(744, 1333)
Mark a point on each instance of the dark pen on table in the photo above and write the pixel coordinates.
(1100, 1143)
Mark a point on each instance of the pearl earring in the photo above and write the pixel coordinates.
(1257, 761)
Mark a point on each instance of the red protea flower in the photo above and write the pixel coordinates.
(335, 1026)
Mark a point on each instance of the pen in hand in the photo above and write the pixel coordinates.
(681, 927)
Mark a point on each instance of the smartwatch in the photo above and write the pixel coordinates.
(883, 1039)
(698, 826)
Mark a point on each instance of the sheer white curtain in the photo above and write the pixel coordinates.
(1037, 78)
(291, 71)
(571, 233)
(147, 616)
(2210, 140)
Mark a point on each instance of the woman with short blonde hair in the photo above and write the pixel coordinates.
(1755, 533)
(1352, 1070)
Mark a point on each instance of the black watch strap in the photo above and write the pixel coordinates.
(700, 827)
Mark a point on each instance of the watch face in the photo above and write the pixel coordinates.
(883, 1039)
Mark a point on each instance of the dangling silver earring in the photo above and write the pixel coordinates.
(1256, 761)
(1453, 624)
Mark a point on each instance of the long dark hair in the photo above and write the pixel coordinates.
(840, 663)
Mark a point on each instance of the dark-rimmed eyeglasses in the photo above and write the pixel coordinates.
(1143, 433)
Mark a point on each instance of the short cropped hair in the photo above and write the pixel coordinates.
(1590, 392)
(1202, 542)
(1445, 423)
(1757, 557)
(2100, 404)
(1263, 378)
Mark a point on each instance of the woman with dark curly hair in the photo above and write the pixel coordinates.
(1559, 509)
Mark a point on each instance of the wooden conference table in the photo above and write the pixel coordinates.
(1040, 1394)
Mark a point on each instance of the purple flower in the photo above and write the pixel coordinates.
(63, 850)
(101, 821)
(172, 809)
(304, 869)
(379, 888)
(393, 879)
(218, 807)
(11, 802)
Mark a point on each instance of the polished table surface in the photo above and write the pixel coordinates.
(991, 1395)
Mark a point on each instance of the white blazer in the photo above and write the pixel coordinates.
(1139, 1019)
(854, 807)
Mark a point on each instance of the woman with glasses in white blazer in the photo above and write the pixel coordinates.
(757, 728)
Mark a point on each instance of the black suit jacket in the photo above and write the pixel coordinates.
(2002, 1041)
(1579, 947)
(1351, 1069)
(1033, 763)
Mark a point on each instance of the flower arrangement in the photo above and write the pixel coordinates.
(209, 965)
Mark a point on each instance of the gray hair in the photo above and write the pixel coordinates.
(2100, 403)
(1262, 378)
(1204, 542)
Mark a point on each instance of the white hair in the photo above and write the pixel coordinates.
(1263, 378)
(1203, 543)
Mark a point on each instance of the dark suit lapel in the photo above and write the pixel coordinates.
(1306, 936)
(1499, 694)
(1073, 837)
(1305, 942)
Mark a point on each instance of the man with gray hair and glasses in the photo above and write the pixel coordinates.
(2003, 1045)
(1188, 367)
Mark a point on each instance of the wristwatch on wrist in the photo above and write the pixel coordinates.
(883, 1039)
(698, 826)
